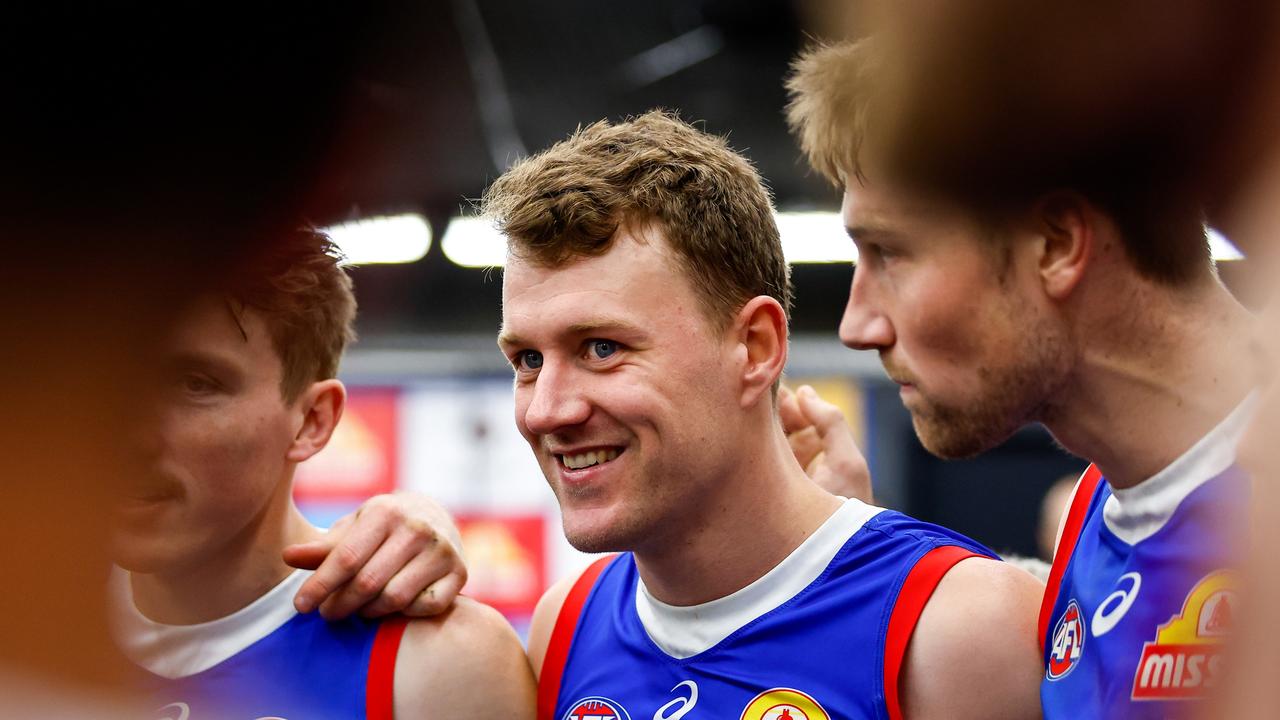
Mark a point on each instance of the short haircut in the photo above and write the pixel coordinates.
(305, 298)
(568, 202)
(843, 105)
(831, 106)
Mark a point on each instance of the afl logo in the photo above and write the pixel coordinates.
(784, 704)
(1068, 643)
(596, 708)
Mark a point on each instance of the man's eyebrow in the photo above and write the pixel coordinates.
(194, 359)
(509, 339)
(590, 326)
(867, 232)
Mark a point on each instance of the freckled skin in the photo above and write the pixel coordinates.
(654, 398)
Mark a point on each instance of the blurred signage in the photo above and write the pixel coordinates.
(506, 560)
(361, 457)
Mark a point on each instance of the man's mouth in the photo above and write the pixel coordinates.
(588, 458)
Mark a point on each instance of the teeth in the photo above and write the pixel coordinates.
(587, 459)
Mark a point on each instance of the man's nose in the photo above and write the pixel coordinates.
(864, 326)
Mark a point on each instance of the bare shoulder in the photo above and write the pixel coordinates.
(974, 652)
(468, 659)
(544, 619)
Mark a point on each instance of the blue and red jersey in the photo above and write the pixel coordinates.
(1141, 593)
(264, 661)
(822, 635)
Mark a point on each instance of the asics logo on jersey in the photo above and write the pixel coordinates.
(681, 705)
(1113, 609)
(1068, 642)
(183, 712)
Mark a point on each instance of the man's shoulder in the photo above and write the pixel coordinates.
(979, 625)
(468, 657)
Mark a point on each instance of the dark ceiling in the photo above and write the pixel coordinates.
(449, 93)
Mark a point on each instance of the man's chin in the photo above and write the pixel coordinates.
(956, 440)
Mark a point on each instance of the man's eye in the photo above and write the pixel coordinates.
(602, 349)
(528, 360)
(198, 385)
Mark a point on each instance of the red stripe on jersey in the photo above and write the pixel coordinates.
(1067, 544)
(562, 636)
(380, 686)
(914, 595)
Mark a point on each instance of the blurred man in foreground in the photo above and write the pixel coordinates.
(645, 315)
(244, 390)
(1089, 304)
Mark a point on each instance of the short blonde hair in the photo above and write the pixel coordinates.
(829, 112)
(568, 202)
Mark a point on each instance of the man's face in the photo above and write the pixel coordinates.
(622, 390)
(211, 451)
(956, 317)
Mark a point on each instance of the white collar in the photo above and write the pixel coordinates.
(1136, 513)
(683, 632)
(174, 651)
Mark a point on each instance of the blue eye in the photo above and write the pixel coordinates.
(529, 360)
(603, 348)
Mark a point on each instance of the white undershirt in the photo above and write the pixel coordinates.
(174, 651)
(685, 631)
(1135, 514)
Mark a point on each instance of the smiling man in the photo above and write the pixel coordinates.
(645, 305)
(243, 391)
(1087, 302)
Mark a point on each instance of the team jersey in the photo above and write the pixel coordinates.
(822, 635)
(1140, 595)
(264, 661)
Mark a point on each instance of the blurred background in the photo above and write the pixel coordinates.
(446, 98)
(148, 149)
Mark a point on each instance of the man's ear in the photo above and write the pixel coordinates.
(321, 405)
(761, 330)
(1068, 224)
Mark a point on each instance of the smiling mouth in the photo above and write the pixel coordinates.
(591, 458)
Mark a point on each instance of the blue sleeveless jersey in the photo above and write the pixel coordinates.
(823, 653)
(1135, 627)
(307, 668)
(264, 661)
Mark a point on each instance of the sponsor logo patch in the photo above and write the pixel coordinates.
(1186, 657)
(596, 708)
(783, 704)
(1068, 643)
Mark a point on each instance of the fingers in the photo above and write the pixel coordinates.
(351, 552)
(844, 469)
(307, 556)
(373, 580)
(440, 575)
(806, 444)
(789, 411)
(823, 415)
(439, 597)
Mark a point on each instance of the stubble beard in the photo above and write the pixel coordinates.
(1010, 396)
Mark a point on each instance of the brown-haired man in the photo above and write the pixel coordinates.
(1086, 301)
(244, 391)
(645, 315)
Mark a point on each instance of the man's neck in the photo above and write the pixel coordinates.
(766, 508)
(1167, 371)
(219, 585)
